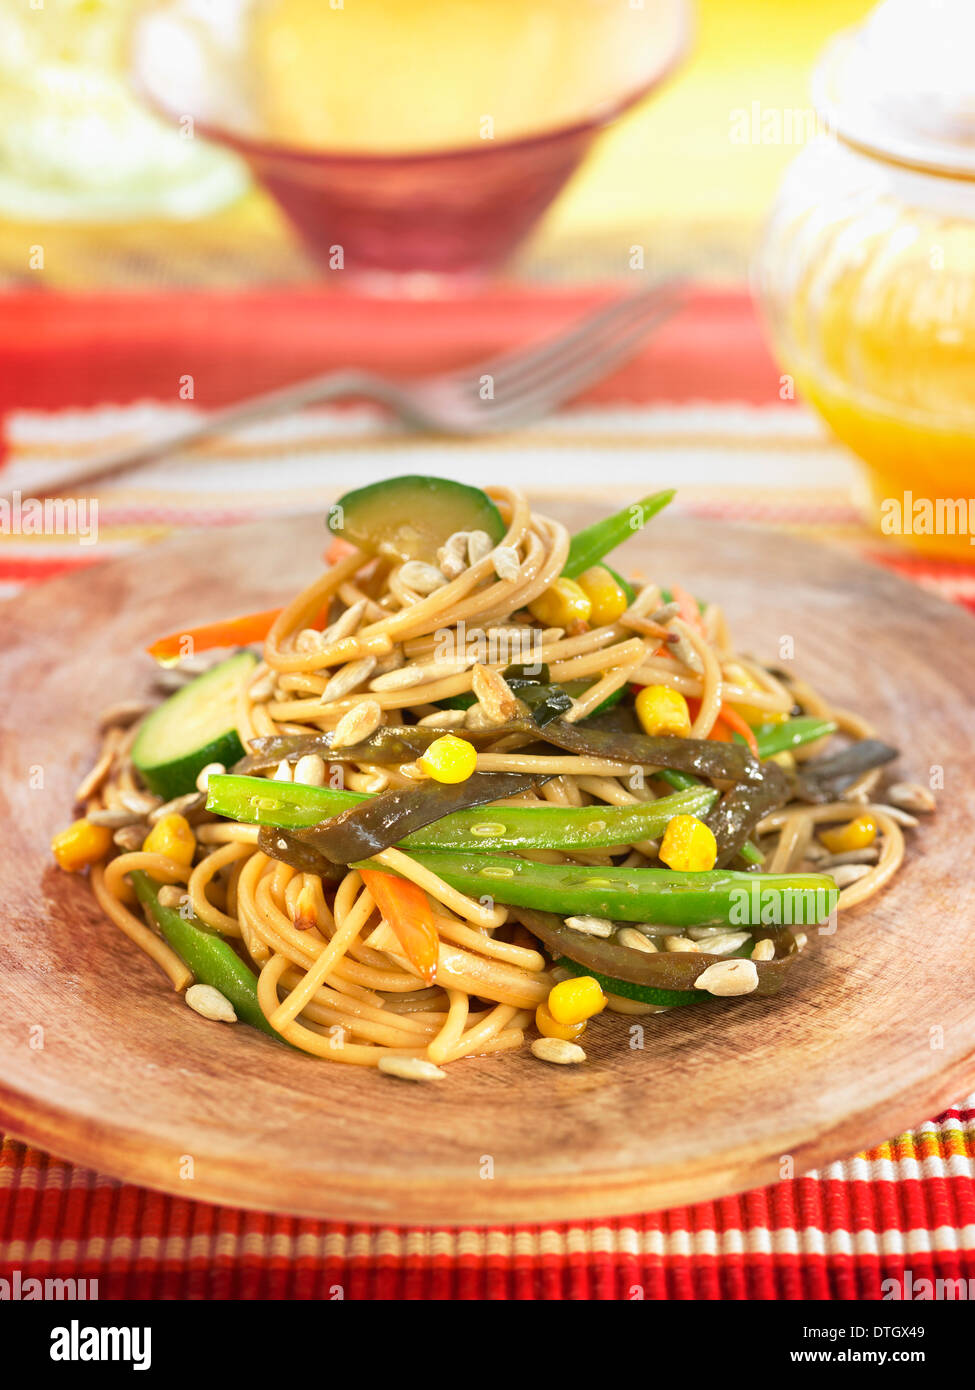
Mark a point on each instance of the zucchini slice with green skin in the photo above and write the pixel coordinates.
(194, 727)
(644, 994)
(409, 518)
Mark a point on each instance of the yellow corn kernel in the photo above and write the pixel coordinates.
(856, 834)
(661, 710)
(80, 845)
(607, 597)
(575, 1000)
(449, 759)
(688, 845)
(173, 837)
(752, 714)
(565, 602)
(551, 1028)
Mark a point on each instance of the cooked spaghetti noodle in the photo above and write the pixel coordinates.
(334, 977)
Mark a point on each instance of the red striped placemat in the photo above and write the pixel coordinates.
(699, 406)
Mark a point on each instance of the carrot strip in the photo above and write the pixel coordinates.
(406, 908)
(231, 632)
(338, 550)
(730, 716)
(689, 610)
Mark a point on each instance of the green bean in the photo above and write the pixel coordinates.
(588, 547)
(709, 898)
(210, 958)
(288, 806)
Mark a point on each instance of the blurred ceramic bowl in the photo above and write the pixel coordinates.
(425, 137)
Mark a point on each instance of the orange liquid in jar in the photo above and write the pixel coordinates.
(884, 348)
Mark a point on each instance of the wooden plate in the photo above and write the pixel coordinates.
(105, 1065)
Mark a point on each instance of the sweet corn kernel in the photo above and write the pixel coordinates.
(608, 599)
(449, 759)
(575, 1000)
(663, 711)
(688, 845)
(752, 714)
(80, 845)
(550, 1028)
(173, 837)
(564, 603)
(856, 834)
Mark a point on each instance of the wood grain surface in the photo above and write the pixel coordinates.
(877, 1031)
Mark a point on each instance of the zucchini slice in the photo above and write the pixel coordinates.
(194, 727)
(409, 518)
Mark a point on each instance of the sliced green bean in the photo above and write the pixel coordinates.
(210, 958)
(709, 898)
(289, 805)
(588, 547)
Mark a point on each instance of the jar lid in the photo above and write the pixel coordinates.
(902, 85)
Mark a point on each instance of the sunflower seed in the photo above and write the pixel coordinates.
(909, 796)
(628, 936)
(179, 806)
(479, 547)
(402, 679)
(205, 773)
(506, 562)
(263, 688)
(850, 873)
(494, 694)
(559, 1051)
(347, 678)
(591, 926)
(680, 943)
(444, 719)
(96, 777)
(452, 555)
(310, 770)
(282, 773)
(123, 714)
(170, 895)
(210, 1003)
(477, 718)
(345, 624)
(361, 720)
(309, 640)
(141, 802)
(868, 855)
(728, 977)
(663, 615)
(421, 578)
(130, 837)
(113, 820)
(764, 949)
(725, 942)
(683, 649)
(898, 815)
(411, 1068)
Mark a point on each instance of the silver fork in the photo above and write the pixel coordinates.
(500, 394)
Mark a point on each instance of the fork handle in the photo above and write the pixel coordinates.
(329, 386)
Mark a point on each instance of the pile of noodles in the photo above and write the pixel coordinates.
(343, 989)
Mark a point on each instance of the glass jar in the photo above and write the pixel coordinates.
(867, 272)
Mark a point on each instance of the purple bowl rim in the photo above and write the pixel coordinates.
(248, 147)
